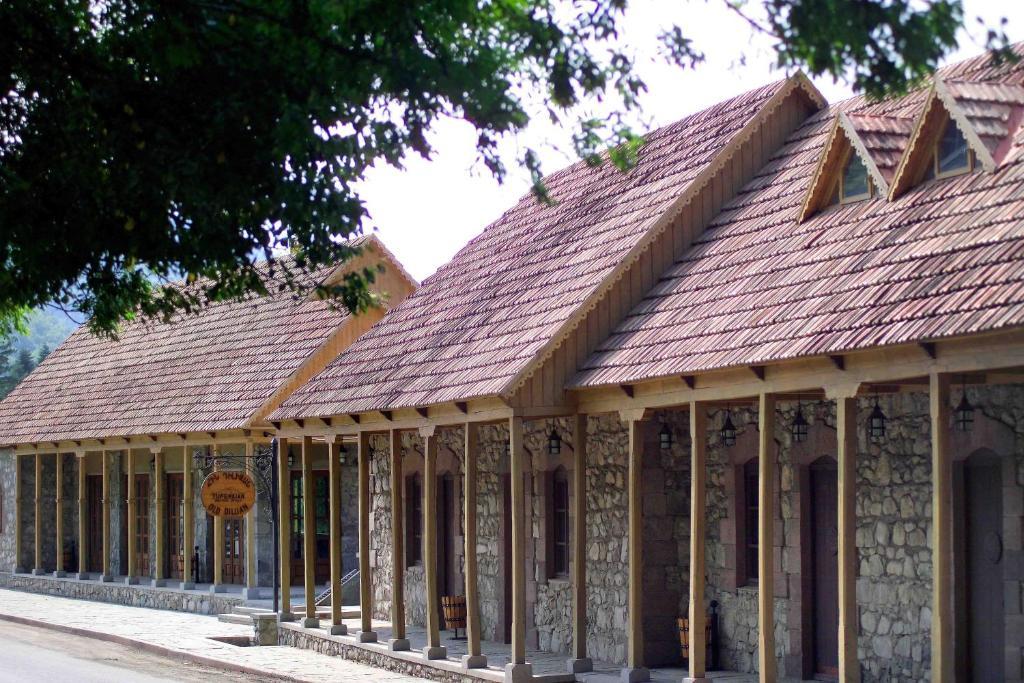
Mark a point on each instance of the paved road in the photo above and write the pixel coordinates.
(35, 654)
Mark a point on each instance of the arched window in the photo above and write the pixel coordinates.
(952, 156)
(413, 521)
(560, 522)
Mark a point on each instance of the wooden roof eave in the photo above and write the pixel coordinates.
(141, 441)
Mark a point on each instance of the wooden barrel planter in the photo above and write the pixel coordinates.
(454, 609)
(684, 636)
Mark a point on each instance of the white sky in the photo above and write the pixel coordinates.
(429, 210)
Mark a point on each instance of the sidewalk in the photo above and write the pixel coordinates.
(183, 635)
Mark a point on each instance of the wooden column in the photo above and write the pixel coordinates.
(942, 530)
(433, 650)
(698, 534)
(518, 668)
(334, 474)
(474, 657)
(579, 662)
(846, 438)
(252, 579)
(160, 495)
(309, 533)
(366, 632)
(133, 570)
(218, 538)
(105, 511)
(766, 539)
(59, 501)
(19, 494)
(635, 669)
(284, 529)
(398, 641)
(83, 518)
(38, 547)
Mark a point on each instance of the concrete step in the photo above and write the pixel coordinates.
(242, 609)
(235, 619)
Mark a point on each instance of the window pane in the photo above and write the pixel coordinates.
(952, 152)
(855, 178)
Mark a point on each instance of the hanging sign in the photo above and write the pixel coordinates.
(228, 494)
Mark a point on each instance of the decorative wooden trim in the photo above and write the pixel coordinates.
(956, 113)
(853, 137)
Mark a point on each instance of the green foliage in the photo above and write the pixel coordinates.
(143, 141)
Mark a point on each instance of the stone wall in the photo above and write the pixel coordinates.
(8, 506)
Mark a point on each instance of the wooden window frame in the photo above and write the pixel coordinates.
(972, 161)
(413, 520)
(840, 181)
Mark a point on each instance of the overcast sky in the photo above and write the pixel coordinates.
(427, 212)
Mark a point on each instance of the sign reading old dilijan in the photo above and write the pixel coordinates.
(228, 494)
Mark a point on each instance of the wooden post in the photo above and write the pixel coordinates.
(105, 511)
(398, 641)
(309, 533)
(334, 474)
(474, 657)
(19, 494)
(698, 533)
(252, 579)
(366, 632)
(580, 662)
(433, 650)
(766, 539)
(83, 518)
(161, 517)
(133, 570)
(942, 530)
(635, 669)
(38, 568)
(846, 437)
(518, 669)
(59, 500)
(218, 538)
(284, 528)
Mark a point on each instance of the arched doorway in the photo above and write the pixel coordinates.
(824, 537)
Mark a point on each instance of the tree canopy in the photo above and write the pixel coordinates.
(142, 141)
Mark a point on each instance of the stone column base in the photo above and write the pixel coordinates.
(518, 673)
(310, 622)
(474, 661)
(187, 586)
(287, 616)
(399, 644)
(218, 588)
(367, 636)
(39, 571)
(83, 576)
(59, 574)
(635, 675)
(579, 666)
(339, 630)
(251, 593)
(158, 583)
(107, 578)
(439, 652)
(131, 580)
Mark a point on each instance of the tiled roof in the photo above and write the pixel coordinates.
(476, 324)
(944, 259)
(208, 371)
(885, 139)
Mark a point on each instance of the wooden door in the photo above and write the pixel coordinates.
(825, 577)
(983, 503)
(142, 524)
(175, 525)
(94, 501)
(296, 551)
(234, 551)
(322, 528)
(446, 537)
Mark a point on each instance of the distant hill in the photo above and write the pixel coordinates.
(47, 328)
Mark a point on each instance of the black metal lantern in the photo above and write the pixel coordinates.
(876, 422)
(554, 443)
(342, 454)
(728, 431)
(799, 426)
(963, 416)
(665, 438)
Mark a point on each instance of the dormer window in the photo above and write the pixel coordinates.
(854, 184)
(952, 154)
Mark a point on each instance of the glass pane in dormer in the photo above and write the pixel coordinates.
(952, 153)
(855, 179)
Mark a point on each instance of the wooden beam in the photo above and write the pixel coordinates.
(517, 470)
(839, 361)
(698, 533)
(766, 539)
(942, 531)
(846, 438)
(433, 650)
(132, 503)
(635, 669)
(309, 534)
(161, 506)
(252, 583)
(398, 640)
(474, 658)
(19, 494)
(38, 568)
(627, 389)
(758, 371)
(187, 580)
(366, 633)
(334, 477)
(59, 500)
(690, 381)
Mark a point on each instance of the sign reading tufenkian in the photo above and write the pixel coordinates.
(228, 494)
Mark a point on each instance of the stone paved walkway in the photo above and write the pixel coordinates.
(189, 634)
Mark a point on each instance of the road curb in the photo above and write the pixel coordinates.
(168, 652)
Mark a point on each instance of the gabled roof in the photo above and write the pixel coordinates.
(884, 139)
(214, 370)
(944, 259)
(474, 327)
